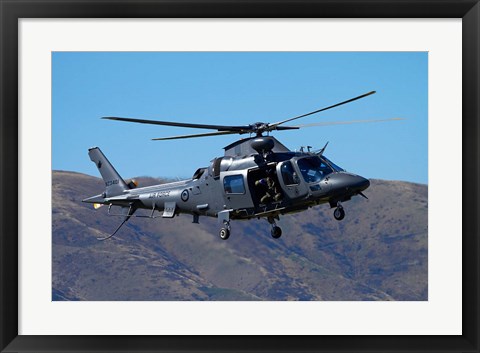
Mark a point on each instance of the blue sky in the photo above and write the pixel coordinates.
(239, 88)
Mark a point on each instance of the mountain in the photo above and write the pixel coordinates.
(378, 252)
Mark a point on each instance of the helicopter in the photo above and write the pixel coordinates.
(256, 178)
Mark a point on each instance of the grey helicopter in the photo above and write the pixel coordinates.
(257, 177)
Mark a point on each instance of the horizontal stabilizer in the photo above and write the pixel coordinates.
(95, 199)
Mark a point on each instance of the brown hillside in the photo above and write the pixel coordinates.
(378, 252)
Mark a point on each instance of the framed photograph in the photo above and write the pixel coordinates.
(233, 230)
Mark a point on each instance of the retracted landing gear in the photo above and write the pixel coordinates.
(276, 231)
(225, 231)
(339, 212)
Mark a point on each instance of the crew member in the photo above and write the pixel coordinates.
(272, 189)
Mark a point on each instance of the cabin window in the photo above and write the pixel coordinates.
(288, 174)
(233, 184)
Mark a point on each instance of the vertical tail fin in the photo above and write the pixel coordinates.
(114, 184)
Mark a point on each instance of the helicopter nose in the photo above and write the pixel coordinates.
(361, 183)
(345, 182)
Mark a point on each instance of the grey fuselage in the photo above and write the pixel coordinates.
(235, 183)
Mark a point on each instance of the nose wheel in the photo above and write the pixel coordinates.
(276, 232)
(339, 213)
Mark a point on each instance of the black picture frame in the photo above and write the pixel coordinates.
(12, 10)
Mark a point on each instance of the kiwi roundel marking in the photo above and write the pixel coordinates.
(185, 195)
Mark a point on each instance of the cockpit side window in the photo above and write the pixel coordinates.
(288, 174)
(313, 169)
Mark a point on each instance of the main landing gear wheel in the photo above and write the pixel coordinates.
(276, 232)
(339, 213)
(224, 233)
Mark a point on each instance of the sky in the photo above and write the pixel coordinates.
(239, 88)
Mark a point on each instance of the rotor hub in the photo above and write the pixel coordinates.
(259, 128)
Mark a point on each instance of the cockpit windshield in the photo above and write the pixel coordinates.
(333, 165)
(313, 169)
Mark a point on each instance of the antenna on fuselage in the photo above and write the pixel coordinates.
(323, 149)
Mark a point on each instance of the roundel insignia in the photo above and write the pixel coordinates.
(184, 195)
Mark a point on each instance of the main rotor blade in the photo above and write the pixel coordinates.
(328, 123)
(195, 135)
(172, 123)
(323, 109)
(287, 128)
